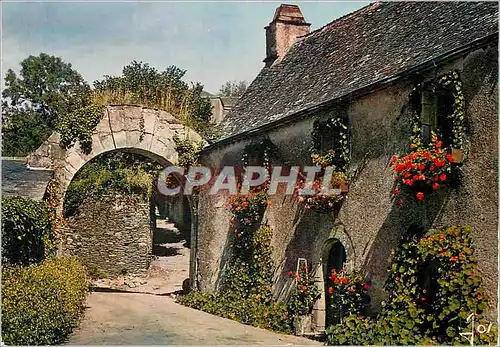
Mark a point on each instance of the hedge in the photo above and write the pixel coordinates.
(41, 304)
(250, 310)
(27, 232)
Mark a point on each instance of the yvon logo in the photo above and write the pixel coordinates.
(480, 329)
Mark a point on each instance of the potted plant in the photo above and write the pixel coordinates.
(424, 170)
(302, 301)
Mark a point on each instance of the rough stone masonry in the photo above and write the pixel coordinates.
(111, 235)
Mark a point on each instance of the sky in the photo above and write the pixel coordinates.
(214, 41)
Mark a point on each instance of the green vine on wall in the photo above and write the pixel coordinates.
(262, 151)
(450, 83)
(336, 157)
(188, 151)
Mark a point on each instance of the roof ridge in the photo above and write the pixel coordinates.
(374, 4)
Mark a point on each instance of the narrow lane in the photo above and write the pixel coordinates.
(144, 319)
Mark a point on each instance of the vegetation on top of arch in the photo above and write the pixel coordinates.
(49, 94)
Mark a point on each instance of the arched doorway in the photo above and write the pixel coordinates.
(337, 252)
(335, 260)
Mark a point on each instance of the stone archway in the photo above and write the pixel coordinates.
(136, 129)
(337, 251)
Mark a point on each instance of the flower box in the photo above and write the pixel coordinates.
(302, 324)
(457, 155)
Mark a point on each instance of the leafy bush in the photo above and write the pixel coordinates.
(433, 288)
(27, 232)
(250, 310)
(189, 151)
(42, 303)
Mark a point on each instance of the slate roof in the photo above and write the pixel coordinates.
(374, 43)
(18, 180)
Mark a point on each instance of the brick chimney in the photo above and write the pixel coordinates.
(288, 23)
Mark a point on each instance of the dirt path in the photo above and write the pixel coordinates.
(144, 319)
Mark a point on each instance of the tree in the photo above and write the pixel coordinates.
(22, 131)
(33, 101)
(233, 88)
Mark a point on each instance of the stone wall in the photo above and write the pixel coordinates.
(111, 235)
(369, 221)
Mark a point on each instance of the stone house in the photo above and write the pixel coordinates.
(362, 68)
(221, 106)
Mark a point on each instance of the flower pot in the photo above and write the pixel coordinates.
(457, 154)
(302, 324)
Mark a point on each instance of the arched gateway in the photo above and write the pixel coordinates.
(136, 129)
(126, 128)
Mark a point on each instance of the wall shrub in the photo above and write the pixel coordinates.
(250, 310)
(433, 287)
(27, 231)
(41, 304)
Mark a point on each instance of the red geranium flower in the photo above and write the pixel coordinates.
(290, 273)
(420, 196)
(435, 186)
(442, 177)
(366, 286)
(396, 191)
(330, 290)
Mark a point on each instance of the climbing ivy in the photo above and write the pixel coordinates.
(188, 151)
(336, 158)
(451, 83)
(335, 128)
